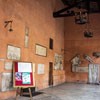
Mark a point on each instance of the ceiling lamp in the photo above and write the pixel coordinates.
(81, 17)
(87, 32)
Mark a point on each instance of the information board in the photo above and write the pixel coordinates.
(23, 74)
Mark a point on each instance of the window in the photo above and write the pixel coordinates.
(50, 43)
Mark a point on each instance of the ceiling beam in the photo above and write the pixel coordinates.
(65, 12)
(63, 15)
(59, 12)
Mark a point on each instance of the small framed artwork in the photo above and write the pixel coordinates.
(8, 65)
(40, 69)
(58, 63)
(13, 52)
(41, 50)
(7, 82)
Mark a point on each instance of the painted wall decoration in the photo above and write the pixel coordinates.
(58, 64)
(26, 36)
(7, 82)
(40, 69)
(13, 52)
(41, 50)
(8, 65)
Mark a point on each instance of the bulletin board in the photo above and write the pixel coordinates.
(23, 74)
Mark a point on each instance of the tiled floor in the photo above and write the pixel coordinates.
(69, 91)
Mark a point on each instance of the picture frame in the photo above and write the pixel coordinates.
(23, 75)
(40, 69)
(41, 50)
(58, 62)
(7, 82)
(8, 65)
(13, 53)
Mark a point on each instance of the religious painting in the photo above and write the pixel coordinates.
(13, 52)
(58, 64)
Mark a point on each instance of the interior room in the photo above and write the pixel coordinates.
(51, 48)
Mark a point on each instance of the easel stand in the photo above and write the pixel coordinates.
(20, 92)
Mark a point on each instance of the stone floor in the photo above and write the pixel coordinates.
(69, 91)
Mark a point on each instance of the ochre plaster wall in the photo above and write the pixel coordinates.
(75, 42)
(37, 15)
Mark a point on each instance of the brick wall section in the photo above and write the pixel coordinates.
(37, 15)
(75, 42)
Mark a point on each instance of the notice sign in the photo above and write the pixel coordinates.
(40, 69)
(24, 67)
(23, 74)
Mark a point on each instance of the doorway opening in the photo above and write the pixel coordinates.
(50, 73)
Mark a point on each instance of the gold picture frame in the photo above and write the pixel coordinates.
(13, 52)
(40, 50)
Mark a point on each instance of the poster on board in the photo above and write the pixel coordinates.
(26, 79)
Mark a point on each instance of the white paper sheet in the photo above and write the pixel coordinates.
(24, 67)
(40, 69)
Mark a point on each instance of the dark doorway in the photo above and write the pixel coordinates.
(50, 74)
(51, 43)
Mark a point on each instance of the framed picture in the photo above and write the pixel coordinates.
(8, 65)
(41, 50)
(7, 82)
(58, 62)
(13, 52)
(40, 69)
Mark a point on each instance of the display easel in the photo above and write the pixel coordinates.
(23, 77)
(19, 91)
